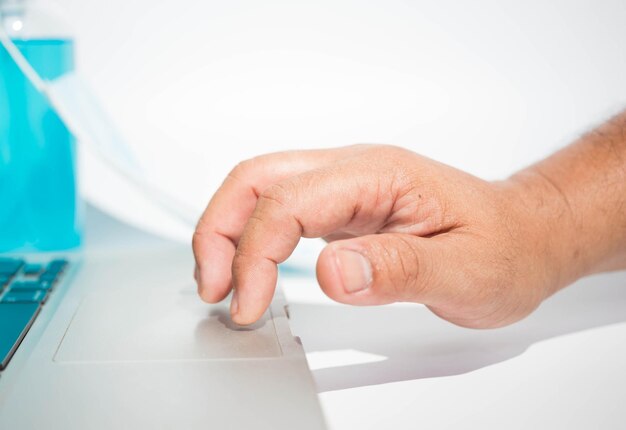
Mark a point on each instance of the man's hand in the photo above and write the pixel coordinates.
(402, 228)
(406, 228)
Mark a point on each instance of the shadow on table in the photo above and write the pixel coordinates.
(418, 345)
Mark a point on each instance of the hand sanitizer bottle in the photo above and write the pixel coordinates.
(39, 205)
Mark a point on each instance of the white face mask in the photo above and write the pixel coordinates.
(78, 108)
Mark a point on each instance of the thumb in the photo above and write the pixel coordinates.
(384, 268)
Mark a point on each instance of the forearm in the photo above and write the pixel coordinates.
(586, 210)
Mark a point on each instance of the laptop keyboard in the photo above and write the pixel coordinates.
(24, 289)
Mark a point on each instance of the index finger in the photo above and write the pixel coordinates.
(219, 229)
(313, 204)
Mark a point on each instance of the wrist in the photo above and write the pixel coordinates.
(550, 230)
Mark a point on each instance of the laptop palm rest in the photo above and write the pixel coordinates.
(163, 324)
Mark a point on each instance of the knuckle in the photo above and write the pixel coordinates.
(393, 159)
(244, 169)
(364, 149)
(391, 151)
(280, 194)
(378, 153)
(240, 170)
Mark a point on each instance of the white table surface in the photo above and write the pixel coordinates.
(401, 367)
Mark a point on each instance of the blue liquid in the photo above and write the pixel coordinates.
(39, 205)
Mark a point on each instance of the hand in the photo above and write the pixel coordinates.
(402, 228)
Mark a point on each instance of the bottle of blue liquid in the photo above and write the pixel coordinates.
(39, 205)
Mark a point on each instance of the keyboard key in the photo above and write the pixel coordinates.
(49, 276)
(45, 285)
(10, 266)
(27, 296)
(15, 320)
(7, 261)
(32, 269)
(57, 265)
(31, 285)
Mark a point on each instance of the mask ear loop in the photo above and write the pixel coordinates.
(165, 201)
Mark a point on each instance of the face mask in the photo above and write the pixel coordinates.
(78, 108)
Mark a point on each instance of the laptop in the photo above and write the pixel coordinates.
(120, 340)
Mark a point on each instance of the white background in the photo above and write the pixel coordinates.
(196, 86)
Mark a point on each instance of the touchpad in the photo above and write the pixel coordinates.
(161, 324)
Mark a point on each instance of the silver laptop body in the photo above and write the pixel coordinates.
(124, 342)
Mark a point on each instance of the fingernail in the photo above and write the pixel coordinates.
(196, 274)
(234, 303)
(354, 269)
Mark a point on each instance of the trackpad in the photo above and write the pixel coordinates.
(156, 325)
